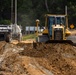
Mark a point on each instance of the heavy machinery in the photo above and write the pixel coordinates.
(10, 32)
(56, 30)
(5, 33)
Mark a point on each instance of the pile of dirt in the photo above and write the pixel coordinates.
(10, 60)
(37, 59)
(58, 58)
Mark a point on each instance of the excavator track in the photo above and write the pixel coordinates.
(54, 42)
(61, 41)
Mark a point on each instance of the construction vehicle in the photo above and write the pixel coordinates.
(16, 32)
(10, 32)
(56, 30)
(5, 33)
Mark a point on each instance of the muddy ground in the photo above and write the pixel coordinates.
(37, 59)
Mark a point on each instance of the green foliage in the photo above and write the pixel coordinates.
(30, 10)
(5, 6)
(30, 36)
(5, 22)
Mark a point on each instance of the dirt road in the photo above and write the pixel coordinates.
(73, 32)
(43, 59)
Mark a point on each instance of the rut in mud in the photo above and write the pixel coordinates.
(43, 59)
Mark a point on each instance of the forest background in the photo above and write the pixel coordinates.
(30, 10)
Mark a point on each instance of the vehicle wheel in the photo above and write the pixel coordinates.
(8, 38)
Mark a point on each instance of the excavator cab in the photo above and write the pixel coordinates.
(56, 27)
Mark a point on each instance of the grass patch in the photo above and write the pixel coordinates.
(29, 36)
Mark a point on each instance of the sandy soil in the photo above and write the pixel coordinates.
(26, 41)
(37, 59)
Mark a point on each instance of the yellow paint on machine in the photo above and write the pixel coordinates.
(67, 32)
(45, 31)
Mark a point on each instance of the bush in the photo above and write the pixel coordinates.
(5, 22)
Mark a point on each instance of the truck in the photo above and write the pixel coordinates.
(5, 33)
(10, 32)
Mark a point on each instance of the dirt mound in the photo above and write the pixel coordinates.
(10, 61)
(37, 59)
(58, 58)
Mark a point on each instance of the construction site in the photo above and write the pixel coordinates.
(24, 58)
(47, 54)
(51, 51)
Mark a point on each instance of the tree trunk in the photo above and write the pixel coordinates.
(46, 5)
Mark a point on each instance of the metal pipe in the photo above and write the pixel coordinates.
(66, 17)
(65, 10)
(45, 21)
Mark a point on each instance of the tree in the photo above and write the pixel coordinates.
(30, 10)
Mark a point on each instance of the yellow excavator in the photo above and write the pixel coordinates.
(56, 30)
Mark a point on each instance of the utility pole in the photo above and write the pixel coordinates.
(46, 4)
(15, 11)
(11, 11)
(15, 14)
